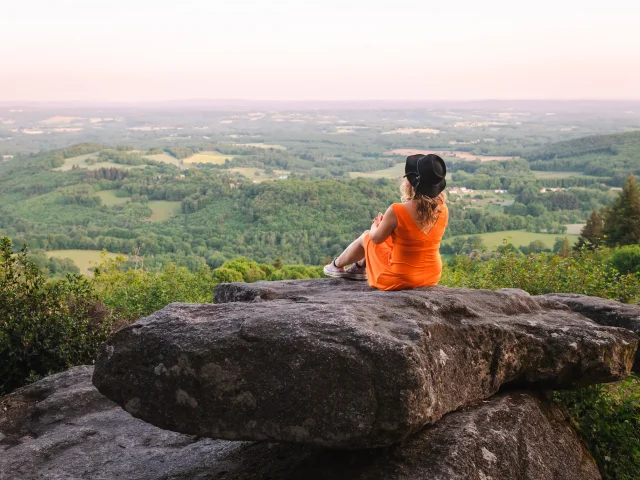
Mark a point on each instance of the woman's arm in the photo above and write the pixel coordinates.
(381, 229)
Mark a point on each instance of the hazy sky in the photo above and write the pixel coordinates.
(329, 49)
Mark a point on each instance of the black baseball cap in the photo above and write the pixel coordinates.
(426, 174)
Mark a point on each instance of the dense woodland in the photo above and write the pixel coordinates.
(302, 219)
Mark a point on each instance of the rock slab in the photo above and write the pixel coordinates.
(62, 428)
(342, 366)
(603, 312)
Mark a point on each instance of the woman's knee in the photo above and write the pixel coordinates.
(361, 238)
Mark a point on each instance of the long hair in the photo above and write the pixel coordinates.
(427, 208)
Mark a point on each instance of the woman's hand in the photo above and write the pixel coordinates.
(377, 220)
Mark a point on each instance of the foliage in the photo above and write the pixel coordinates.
(592, 233)
(582, 272)
(627, 259)
(608, 418)
(131, 293)
(622, 218)
(45, 326)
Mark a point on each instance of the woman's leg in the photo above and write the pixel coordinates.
(353, 253)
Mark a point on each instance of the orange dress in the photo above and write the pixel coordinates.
(408, 258)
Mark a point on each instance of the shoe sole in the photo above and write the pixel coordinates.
(356, 276)
(334, 274)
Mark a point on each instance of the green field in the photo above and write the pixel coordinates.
(518, 238)
(208, 157)
(163, 157)
(545, 174)
(81, 162)
(261, 145)
(394, 172)
(163, 210)
(575, 228)
(250, 173)
(85, 260)
(110, 199)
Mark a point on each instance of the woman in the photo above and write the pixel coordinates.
(401, 250)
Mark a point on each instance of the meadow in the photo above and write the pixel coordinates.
(519, 238)
(85, 260)
(266, 146)
(258, 175)
(164, 158)
(80, 161)
(541, 174)
(163, 210)
(215, 158)
(109, 198)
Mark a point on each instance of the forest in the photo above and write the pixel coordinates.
(119, 200)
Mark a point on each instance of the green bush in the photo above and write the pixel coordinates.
(583, 272)
(226, 275)
(608, 419)
(131, 293)
(627, 259)
(45, 326)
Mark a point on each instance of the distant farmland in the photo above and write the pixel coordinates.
(85, 260)
(518, 238)
(215, 158)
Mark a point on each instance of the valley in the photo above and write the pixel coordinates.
(203, 186)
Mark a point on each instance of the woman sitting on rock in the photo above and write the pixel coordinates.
(401, 250)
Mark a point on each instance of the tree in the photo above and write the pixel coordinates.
(592, 233)
(622, 219)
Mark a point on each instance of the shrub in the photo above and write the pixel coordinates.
(626, 259)
(608, 419)
(133, 293)
(45, 326)
(583, 272)
(226, 275)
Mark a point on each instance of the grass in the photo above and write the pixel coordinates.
(163, 210)
(85, 260)
(261, 145)
(110, 199)
(208, 157)
(80, 161)
(160, 209)
(539, 174)
(163, 157)
(575, 228)
(518, 238)
(250, 173)
(394, 172)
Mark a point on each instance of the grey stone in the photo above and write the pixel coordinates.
(62, 428)
(340, 365)
(601, 311)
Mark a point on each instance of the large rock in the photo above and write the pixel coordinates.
(347, 369)
(603, 312)
(61, 428)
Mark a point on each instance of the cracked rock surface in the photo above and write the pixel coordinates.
(62, 428)
(601, 311)
(335, 364)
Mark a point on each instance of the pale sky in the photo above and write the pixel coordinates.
(141, 50)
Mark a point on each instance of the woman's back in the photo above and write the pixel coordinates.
(410, 258)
